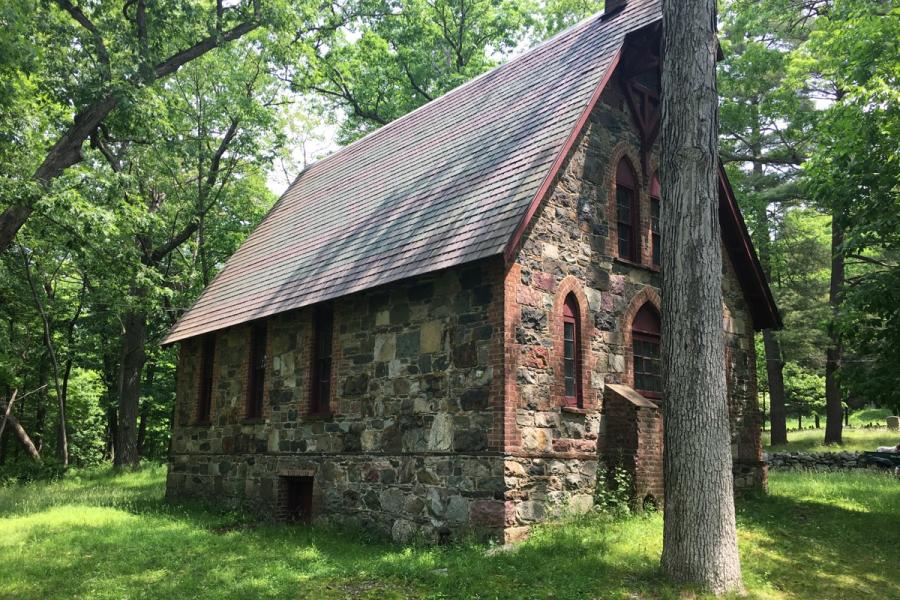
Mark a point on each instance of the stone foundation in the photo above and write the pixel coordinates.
(432, 498)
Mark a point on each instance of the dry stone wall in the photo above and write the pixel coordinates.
(413, 431)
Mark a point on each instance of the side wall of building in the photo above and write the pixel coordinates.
(571, 247)
(411, 444)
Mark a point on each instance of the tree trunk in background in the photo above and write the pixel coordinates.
(699, 535)
(21, 434)
(775, 375)
(773, 355)
(40, 406)
(145, 410)
(134, 336)
(834, 412)
(111, 428)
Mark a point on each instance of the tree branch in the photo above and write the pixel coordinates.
(77, 14)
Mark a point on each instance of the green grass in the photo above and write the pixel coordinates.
(813, 440)
(870, 416)
(100, 535)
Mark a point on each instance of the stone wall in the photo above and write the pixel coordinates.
(416, 410)
(815, 460)
(448, 413)
(570, 246)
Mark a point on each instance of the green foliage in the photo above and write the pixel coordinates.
(853, 171)
(856, 439)
(382, 68)
(86, 417)
(805, 390)
(117, 529)
(614, 491)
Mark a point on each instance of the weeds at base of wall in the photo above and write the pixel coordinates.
(614, 492)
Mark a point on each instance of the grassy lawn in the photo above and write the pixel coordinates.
(830, 535)
(812, 440)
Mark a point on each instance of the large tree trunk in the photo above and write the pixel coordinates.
(775, 375)
(834, 353)
(699, 535)
(134, 334)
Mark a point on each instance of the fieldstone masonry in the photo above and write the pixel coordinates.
(447, 412)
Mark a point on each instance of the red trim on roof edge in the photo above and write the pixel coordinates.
(510, 249)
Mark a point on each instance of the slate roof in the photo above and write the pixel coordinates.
(447, 184)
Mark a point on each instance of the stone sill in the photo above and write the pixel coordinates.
(636, 265)
(575, 410)
(319, 416)
(201, 424)
(253, 421)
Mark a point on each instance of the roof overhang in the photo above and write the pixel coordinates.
(750, 274)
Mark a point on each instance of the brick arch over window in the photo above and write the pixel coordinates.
(625, 163)
(571, 289)
(647, 295)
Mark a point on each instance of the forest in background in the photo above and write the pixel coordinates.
(138, 140)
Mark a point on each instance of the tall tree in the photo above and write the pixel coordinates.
(93, 58)
(764, 128)
(699, 535)
(208, 137)
(422, 49)
(851, 59)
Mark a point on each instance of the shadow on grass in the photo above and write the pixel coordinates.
(810, 548)
(112, 552)
(822, 536)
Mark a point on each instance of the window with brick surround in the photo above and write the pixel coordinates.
(655, 206)
(572, 352)
(645, 346)
(257, 375)
(627, 214)
(320, 392)
(207, 356)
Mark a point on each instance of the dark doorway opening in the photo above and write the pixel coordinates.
(296, 499)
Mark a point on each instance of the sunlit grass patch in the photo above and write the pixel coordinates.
(855, 440)
(104, 535)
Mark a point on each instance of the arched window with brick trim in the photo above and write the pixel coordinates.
(645, 346)
(572, 352)
(627, 214)
(655, 207)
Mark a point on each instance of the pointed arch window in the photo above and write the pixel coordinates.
(627, 214)
(572, 358)
(645, 346)
(655, 230)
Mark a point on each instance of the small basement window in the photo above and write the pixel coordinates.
(295, 499)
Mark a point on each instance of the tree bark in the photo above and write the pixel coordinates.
(834, 354)
(21, 434)
(134, 334)
(699, 534)
(775, 376)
